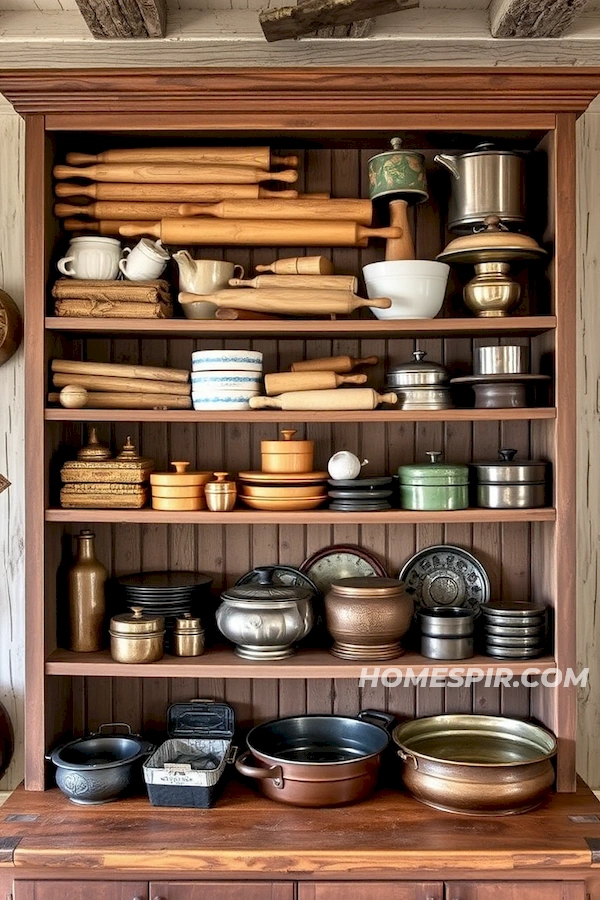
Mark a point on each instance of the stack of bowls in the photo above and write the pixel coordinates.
(516, 630)
(446, 632)
(286, 482)
(168, 594)
(419, 384)
(226, 379)
(360, 494)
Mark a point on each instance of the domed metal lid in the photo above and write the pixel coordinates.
(136, 623)
(495, 243)
(271, 592)
(417, 372)
(434, 472)
(508, 470)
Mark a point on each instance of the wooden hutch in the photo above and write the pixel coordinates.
(389, 847)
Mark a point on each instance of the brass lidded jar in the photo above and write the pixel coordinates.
(136, 638)
(220, 494)
(87, 603)
(367, 617)
(188, 636)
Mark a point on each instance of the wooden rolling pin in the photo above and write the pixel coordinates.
(125, 370)
(340, 364)
(107, 227)
(278, 382)
(174, 174)
(157, 193)
(130, 401)
(315, 282)
(402, 247)
(299, 265)
(356, 398)
(289, 302)
(229, 156)
(360, 211)
(267, 232)
(114, 383)
(125, 212)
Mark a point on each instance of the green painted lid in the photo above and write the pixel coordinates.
(434, 473)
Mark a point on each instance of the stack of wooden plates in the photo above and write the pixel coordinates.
(283, 492)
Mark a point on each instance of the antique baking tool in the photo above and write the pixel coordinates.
(314, 282)
(148, 373)
(279, 382)
(126, 211)
(299, 265)
(360, 211)
(267, 232)
(180, 193)
(357, 398)
(398, 176)
(130, 385)
(340, 364)
(172, 173)
(289, 302)
(262, 157)
(125, 400)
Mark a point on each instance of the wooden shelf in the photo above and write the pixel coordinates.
(308, 517)
(258, 416)
(307, 328)
(221, 662)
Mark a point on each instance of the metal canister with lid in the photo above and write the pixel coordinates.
(510, 483)
(398, 173)
(420, 384)
(136, 638)
(434, 485)
(188, 636)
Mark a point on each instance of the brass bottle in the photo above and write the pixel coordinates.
(87, 603)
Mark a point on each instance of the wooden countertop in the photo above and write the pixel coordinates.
(247, 834)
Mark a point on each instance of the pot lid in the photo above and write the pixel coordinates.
(260, 592)
(510, 470)
(135, 622)
(418, 372)
(287, 445)
(181, 477)
(367, 586)
(221, 485)
(494, 243)
(186, 623)
(396, 145)
(487, 148)
(434, 472)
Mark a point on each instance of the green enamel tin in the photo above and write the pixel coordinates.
(398, 172)
(435, 486)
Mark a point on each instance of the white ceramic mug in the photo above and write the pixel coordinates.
(91, 258)
(146, 262)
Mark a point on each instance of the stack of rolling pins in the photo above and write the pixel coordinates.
(119, 386)
(113, 299)
(298, 286)
(313, 384)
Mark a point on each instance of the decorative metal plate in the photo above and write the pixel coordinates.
(444, 575)
(341, 561)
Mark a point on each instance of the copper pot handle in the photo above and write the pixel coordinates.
(406, 755)
(386, 718)
(273, 772)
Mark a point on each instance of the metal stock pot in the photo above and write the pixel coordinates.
(317, 760)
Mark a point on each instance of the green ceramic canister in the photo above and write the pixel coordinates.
(398, 172)
(434, 486)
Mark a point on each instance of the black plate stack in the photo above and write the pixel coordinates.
(361, 494)
(515, 630)
(168, 594)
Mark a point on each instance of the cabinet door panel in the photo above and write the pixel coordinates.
(81, 890)
(220, 890)
(372, 890)
(515, 890)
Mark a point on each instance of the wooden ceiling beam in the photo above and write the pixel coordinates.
(125, 19)
(308, 16)
(533, 18)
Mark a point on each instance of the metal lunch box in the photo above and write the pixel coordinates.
(509, 483)
(434, 486)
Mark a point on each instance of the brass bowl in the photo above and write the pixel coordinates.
(278, 492)
(286, 505)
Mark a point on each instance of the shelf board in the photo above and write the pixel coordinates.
(277, 415)
(307, 517)
(221, 662)
(307, 328)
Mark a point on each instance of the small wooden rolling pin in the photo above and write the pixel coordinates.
(125, 370)
(266, 232)
(360, 211)
(191, 193)
(107, 400)
(145, 211)
(299, 265)
(174, 174)
(106, 227)
(314, 282)
(115, 384)
(261, 157)
(278, 382)
(340, 364)
(289, 302)
(355, 398)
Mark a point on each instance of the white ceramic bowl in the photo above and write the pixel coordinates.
(228, 360)
(416, 287)
(226, 381)
(216, 399)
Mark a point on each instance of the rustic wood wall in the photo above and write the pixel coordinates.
(11, 447)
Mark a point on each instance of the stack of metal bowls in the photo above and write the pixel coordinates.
(446, 632)
(516, 630)
(361, 494)
(419, 384)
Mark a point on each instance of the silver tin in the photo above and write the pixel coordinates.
(446, 648)
(447, 621)
(501, 360)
